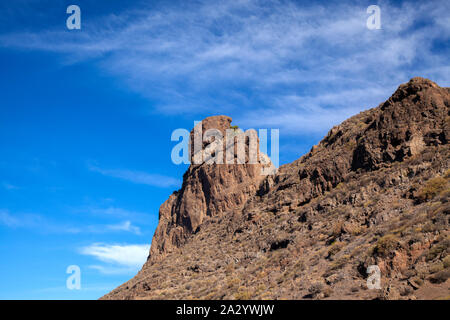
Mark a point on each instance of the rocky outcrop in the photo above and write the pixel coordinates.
(407, 122)
(416, 116)
(208, 190)
(374, 191)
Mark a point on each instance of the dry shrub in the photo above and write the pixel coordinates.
(385, 245)
(432, 188)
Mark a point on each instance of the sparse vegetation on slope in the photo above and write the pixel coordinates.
(374, 191)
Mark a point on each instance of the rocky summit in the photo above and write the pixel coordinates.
(373, 193)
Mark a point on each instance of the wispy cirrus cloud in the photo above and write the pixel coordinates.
(124, 226)
(114, 270)
(247, 58)
(119, 258)
(138, 177)
(115, 212)
(39, 223)
(26, 220)
(8, 186)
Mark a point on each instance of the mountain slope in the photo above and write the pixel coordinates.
(374, 191)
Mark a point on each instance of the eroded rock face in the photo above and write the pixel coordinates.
(208, 190)
(409, 120)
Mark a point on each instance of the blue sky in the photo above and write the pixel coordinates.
(86, 115)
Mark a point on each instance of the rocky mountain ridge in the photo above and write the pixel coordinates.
(374, 191)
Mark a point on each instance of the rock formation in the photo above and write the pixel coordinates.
(208, 190)
(374, 191)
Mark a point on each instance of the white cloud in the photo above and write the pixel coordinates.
(102, 288)
(302, 116)
(242, 56)
(138, 177)
(116, 212)
(39, 223)
(9, 186)
(114, 270)
(7, 219)
(112, 211)
(124, 226)
(23, 220)
(119, 258)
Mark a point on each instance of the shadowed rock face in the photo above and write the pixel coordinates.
(374, 191)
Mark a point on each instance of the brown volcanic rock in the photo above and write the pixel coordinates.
(208, 190)
(374, 191)
(407, 122)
